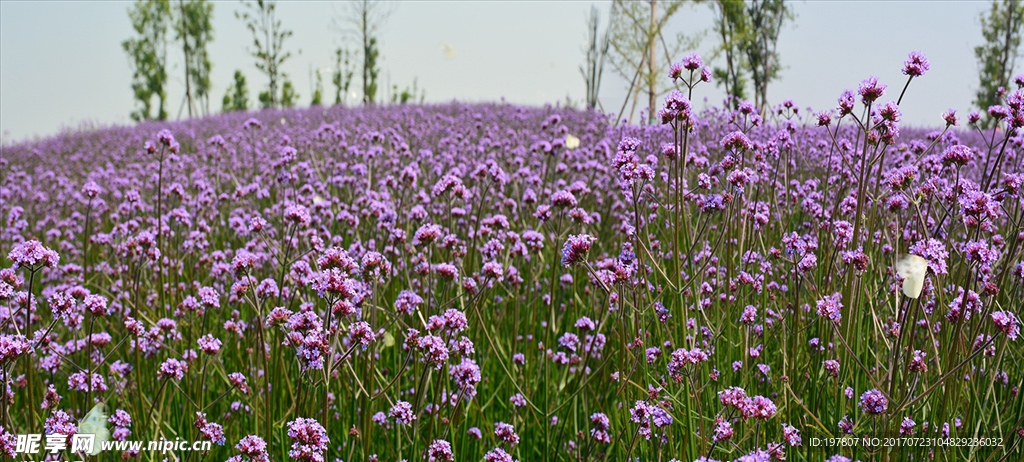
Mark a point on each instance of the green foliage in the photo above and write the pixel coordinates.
(147, 55)
(371, 71)
(318, 90)
(409, 94)
(268, 38)
(288, 94)
(344, 69)
(597, 53)
(194, 29)
(266, 101)
(733, 27)
(766, 18)
(1002, 30)
(238, 100)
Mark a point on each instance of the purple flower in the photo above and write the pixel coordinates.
(950, 117)
(361, 333)
(791, 435)
(297, 214)
(506, 433)
(723, 431)
(173, 369)
(1007, 323)
(918, 363)
(209, 430)
(736, 141)
(8, 443)
(237, 379)
(309, 440)
(33, 255)
(95, 304)
(824, 119)
(870, 90)
(832, 367)
(762, 408)
(440, 451)
(518, 400)
(120, 418)
(934, 252)
(907, 426)
(407, 302)
(846, 426)
(60, 423)
(601, 425)
(12, 346)
(692, 62)
(675, 71)
(498, 455)
(427, 234)
(732, 396)
(576, 248)
(846, 103)
(402, 412)
(873, 402)
(957, 155)
(915, 65)
(677, 107)
(252, 449)
(705, 74)
(165, 137)
(209, 344)
(830, 307)
(569, 341)
(564, 199)
(435, 353)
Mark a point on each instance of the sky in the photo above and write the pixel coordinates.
(62, 65)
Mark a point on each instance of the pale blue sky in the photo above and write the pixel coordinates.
(61, 63)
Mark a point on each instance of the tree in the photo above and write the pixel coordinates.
(766, 18)
(318, 90)
(268, 38)
(195, 30)
(998, 56)
(147, 55)
(636, 32)
(239, 100)
(596, 52)
(371, 71)
(365, 18)
(288, 94)
(344, 69)
(733, 27)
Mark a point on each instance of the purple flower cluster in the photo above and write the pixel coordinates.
(309, 440)
(873, 402)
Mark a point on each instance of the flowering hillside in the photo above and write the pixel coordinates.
(494, 282)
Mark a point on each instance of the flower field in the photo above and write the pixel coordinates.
(493, 282)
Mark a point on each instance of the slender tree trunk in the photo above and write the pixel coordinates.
(652, 91)
(366, 54)
(188, 58)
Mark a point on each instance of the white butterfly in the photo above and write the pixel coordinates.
(95, 423)
(912, 269)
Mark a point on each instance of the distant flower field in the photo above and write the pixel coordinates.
(493, 282)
